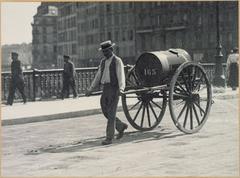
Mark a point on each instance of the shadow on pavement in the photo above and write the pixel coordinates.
(95, 143)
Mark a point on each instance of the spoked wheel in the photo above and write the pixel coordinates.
(190, 97)
(144, 110)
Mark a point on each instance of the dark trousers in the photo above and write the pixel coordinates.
(109, 101)
(67, 83)
(233, 75)
(16, 84)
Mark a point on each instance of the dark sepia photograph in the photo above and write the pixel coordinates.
(120, 89)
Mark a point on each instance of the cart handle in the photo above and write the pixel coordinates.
(160, 87)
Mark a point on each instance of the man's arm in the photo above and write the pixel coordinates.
(120, 74)
(95, 81)
(12, 70)
(229, 60)
(72, 70)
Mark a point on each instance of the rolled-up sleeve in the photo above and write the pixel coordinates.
(120, 74)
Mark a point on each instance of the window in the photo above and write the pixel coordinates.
(44, 39)
(211, 19)
(44, 30)
(116, 35)
(54, 48)
(116, 20)
(60, 50)
(211, 38)
(123, 35)
(130, 35)
(229, 38)
(74, 49)
(175, 18)
(74, 21)
(69, 23)
(44, 49)
(59, 25)
(65, 23)
(130, 5)
(79, 40)
(199, 20)
(96, 23)
(179, 39)
(109, 20)
(184, 17)
(124, 19)
(229, 17)
(123, 5)
(109, 35)
(65, 36)
(158, 19)
(108, 7)
(101, 20)
(117, 6)
(102, 36)
(127, 18)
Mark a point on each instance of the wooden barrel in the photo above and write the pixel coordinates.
(153, 68)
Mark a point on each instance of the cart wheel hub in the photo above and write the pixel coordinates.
(146, 98)
(194, 97)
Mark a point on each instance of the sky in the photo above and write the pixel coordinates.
(16, 19)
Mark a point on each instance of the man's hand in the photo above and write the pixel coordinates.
(88, 92)
(121, 92)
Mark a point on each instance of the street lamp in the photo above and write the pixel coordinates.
(219, 78)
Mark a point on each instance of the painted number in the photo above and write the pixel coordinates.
(150, 72)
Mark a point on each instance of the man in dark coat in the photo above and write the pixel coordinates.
(111, 75)
(68, 77)
(232, 69)
(16, 81)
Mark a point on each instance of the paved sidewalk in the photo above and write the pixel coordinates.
(39, 111)
(20, 113)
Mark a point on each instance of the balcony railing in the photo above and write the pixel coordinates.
(47, 84)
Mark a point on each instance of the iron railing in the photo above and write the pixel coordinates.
(47, 84)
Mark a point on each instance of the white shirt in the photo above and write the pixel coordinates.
(106, 73)
(232, 58)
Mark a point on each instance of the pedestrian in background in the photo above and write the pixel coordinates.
(232, 69)
(111, 75)
(68, 77)
(17, 80)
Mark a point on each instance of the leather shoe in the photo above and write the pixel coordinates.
(120, 134)
(107, 142)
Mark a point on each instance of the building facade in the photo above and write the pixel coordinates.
(136, 27)
(94, 23)
(188, 25)
(67, 33)
(44, 33)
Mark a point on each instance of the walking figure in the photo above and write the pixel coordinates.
(68, 77)
(232, 69)
(111, 75)
(17, 80)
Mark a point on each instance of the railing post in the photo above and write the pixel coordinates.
(34, 83)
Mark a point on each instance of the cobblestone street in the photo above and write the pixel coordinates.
(72, 147)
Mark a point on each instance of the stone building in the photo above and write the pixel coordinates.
(136, 27)
(44, 32)
(67, 33)
(92, 24)
(188, 25)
